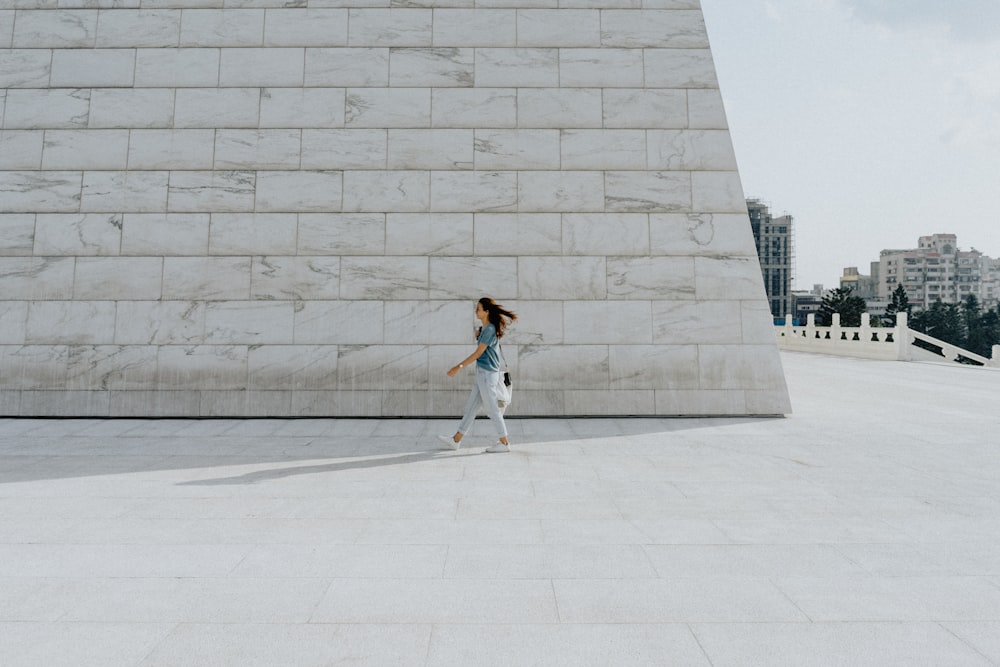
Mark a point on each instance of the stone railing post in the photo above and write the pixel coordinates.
(995, 360)
(811, 326)
(902, 337)
(866, 332)
(835, 326)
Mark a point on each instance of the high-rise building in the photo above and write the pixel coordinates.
(775, 249)
(937, 269)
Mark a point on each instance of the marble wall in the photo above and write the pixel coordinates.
(288, 207)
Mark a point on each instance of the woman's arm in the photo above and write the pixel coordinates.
(468, 360)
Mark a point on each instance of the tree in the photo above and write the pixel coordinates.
(899, 303)
(841, 300)
(942, 321)
(977, 329)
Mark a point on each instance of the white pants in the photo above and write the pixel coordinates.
(484, 393)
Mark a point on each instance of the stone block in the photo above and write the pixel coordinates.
(25, 68)
(249, 322)
(17, 234)
(428, 234)
(206, 278)
(138, 403)
(514, 234)
(131, 191)
(549, 191)
(84, 68)
(429, 149)
(694, 322)
(700, 402)
(212, 107)
(222, 27)
(104, 367)
(241, 403)
(390, 27)
(717, 192)
(339, 322)
(300, 278)
(6, 28)
(608, 68)
(165, 234)
(29, 367)
(118, 278)
(603, 149)
(382, 278)
(647, 191)
(262, 67)
(31, 109)
(41, 191)
(175, 68)
(767, 402)
(85, 149)
(473, 191)
(655, 366)
(475, 27)
(337, 403)
(679, 68)
(651, 278)
(705, 109)
(521, 4)
(65, 403)
(474, 107)
(675, 29)
(559, 108)
(202, 367)
(388, 107)
(440, 360)
(257, 149)
(13, 322)
(538, 403)
(646, 109)
(347, 67)
(617, 402)
(194, 191)
(55, 28)
(701, 150)
(344, 149)
(542, 367)
(605, 234)
(420, 403)
(20, 149)
(565, 278)
(171, 149)
(305, 27)
(521, 67)
(433, 322)
(128, 108)
(160, 323)
(373, 191)
(76, 234)
(439, 67)
(756, 322)
(538, 323)
(70, 322)
(302, 107)
(559, 27)
(607, 322)
(740, 366)
(370, 367)
(292, 367)
(10, 400)
(710, 234)
(341, 234)
(125, 28)
(252, 234)
(36, 278)
(728, 278)
(517, 149)
(472, 277)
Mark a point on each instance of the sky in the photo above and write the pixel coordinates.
(871, 122)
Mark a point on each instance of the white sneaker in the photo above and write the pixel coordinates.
(449, 441)
(498, 448)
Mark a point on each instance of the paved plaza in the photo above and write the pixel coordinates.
(863, 529)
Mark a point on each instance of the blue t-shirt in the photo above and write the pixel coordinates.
(489, 360)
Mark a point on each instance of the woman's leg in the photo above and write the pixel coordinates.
(487, 383)
(471, 408)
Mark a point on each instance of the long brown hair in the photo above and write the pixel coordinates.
(498, 316)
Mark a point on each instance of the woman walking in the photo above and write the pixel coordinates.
(494, 319)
